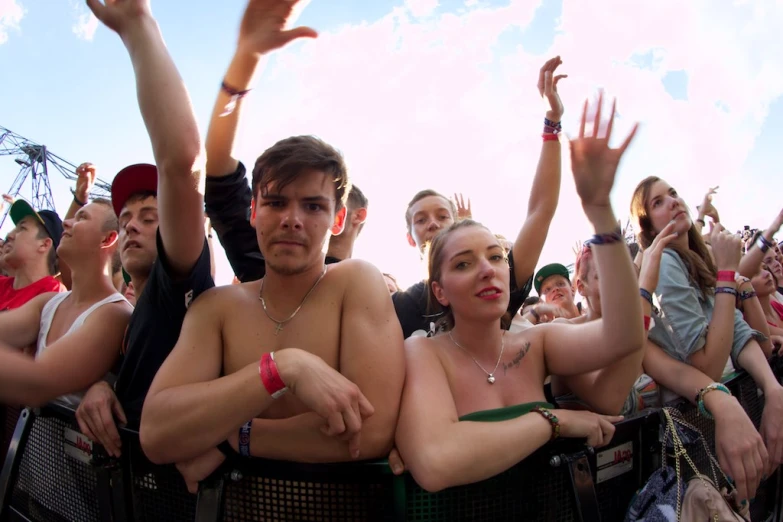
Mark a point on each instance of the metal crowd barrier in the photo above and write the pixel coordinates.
(52, 473)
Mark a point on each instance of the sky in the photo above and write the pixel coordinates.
(433, 94)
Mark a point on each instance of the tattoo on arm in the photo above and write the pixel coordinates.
(517, 358)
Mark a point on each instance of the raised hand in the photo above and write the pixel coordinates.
(651, 261)
(463, 211)
(707, 208)
(726, 248)
(265, 25)
(118, 15)
(547, 88)
(86, 173)
(593, 162)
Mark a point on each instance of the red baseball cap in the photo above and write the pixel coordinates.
(141, 177)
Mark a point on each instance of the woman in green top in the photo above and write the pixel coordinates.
(477, 371)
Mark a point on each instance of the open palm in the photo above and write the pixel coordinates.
(265, 25)
(593, 162)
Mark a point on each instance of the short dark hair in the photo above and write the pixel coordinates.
(356, 198)
(284, 161)
(139, 196)
(425, 194)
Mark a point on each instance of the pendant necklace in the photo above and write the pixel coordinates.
(490, 375)
(280, 324)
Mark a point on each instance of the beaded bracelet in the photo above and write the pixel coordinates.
(646, 295)
(608, 238)
(726, 290)
(747, 294)
(549, 416)
(704, 391)
(555, 124)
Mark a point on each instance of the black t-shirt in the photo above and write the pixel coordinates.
(227, 202)
(154, 327)
(411, 305)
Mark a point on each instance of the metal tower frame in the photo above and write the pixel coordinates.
(37, 162)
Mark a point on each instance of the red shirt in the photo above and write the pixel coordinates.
(10, 298)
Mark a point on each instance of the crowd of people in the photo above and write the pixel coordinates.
(114, 311)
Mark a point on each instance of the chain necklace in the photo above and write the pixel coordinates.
(280, 324)
(490, 375)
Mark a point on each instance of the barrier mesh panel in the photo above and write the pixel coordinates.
(314, 497)
(159, 492)
(52, 486)
(531, 491)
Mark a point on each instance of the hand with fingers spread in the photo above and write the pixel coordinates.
(96, 414)
(707, 208)
(597, 429)
(726, 248)
(328, 393)
(547, 88)
(463, 211)
(265, 26)
(738, 446)
(593, 162)
(651, 261)
(86, 173)
(120, 15)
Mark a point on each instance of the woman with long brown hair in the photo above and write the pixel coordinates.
(476, 372)
(696, 293)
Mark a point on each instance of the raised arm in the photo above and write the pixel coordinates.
(19, 327)
(228, 195)
(571, 349)
(72, 363)
(607, 389)
(171, 125)
(371, 356)
(750, 262)
(545, 192)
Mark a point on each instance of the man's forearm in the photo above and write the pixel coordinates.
(163, 100)
(208, 411)
(300, 439)
(223, 124)
(753, 361)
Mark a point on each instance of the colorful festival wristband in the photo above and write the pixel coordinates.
(270, 377)
(244, 438)
(727, 276)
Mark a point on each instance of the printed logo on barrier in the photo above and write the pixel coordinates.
(613, 462)
(77, 446)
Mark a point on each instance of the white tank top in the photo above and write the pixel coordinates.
(47, 314)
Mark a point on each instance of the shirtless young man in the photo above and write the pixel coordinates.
(78, 333)
(337, 343)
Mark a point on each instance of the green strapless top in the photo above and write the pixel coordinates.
(504, 414)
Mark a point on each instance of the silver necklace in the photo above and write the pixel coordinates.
(490, 375)
(279, 324)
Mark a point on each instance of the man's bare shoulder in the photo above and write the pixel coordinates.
(358, 272)
(218, 300)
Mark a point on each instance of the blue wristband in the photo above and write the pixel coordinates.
(244, 438)
(647, 296)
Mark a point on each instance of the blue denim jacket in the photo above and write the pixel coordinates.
(685, 314)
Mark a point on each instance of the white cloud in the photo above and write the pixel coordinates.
(420, 8)
(11, 13)
(437, 102)
(86, 24)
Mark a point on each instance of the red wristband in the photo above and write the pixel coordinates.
(270, 377)
(547, 136)
(726, 276)
(647, 320)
